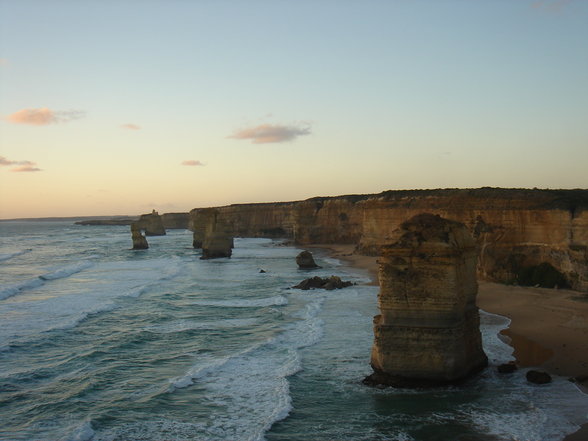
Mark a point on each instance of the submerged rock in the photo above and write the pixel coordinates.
(328, 283)
(139, 241)
(538, 377)
(507, 368)
(428, 331)
(304, 260)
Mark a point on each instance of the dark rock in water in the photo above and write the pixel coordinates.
(304, 260)
(382, 380)
(261, 271)
(139, 241)
(507, 368)
(538, 377)
(328, 283)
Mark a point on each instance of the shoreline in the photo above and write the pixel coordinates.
(548, 327)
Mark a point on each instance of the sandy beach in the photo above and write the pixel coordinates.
(548, 329)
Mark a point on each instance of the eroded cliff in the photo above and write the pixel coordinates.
(516, 230)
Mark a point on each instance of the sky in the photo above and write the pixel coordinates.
(111, 107)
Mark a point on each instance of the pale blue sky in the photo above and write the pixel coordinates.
(374, 95)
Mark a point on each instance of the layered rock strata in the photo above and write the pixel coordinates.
(516, 230)
(139, 241)
(428, 328)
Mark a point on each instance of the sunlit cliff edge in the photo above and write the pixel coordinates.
(524, 236)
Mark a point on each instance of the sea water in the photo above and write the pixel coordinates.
(100, 342)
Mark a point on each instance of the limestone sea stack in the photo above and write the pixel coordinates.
(152, 224)
(139, 241)
(428, 330)
(218, 238)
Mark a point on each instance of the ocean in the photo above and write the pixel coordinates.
(100, 342)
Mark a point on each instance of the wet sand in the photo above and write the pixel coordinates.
(548, 329)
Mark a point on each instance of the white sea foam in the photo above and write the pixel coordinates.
(7, 256)
(244, 303)
(84, 432)
(253, 383)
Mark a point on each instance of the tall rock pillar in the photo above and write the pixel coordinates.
(428, 330)
(218, 238)
(139, 241)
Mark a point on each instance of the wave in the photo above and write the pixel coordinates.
(244, 303)
(254, 382)
(66, 271)
(7, 256)
(188, 325)
(16, 288)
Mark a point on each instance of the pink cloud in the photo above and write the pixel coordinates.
(3, 62)
(131, 127)
(267, 133)
(43, 116)
(25, 168)
(192, 162)
(5, 161)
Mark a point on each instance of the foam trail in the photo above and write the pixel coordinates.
(244, 303)
(84, 432)
(66, 271)
(7, 256)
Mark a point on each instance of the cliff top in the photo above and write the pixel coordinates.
(571, 200)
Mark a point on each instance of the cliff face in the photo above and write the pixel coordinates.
(175, 221)
(516, 230)
(428, 327)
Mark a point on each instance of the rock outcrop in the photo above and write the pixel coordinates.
(538, 377)
(218, 240)
(139, 241)
(304, 260)
(428, 330)
(328, 283)
(516, 230)
(152, 224)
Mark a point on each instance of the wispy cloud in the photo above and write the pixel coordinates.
(266, 133)
(44, 116)
(23, 166)
(551, 5)
(192, 162)
(4, 62)
(130, 127)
